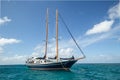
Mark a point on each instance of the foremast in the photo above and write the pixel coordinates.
(46, 43)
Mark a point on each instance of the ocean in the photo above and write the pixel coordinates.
(77, 72)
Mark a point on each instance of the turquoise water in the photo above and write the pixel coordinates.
(77, 72)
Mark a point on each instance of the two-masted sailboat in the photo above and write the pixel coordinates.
(56, 63)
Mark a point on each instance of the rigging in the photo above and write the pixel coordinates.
(72, 36)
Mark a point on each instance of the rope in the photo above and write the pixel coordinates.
(72, 36)
(63, 66)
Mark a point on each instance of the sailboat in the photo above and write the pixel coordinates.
(55, 63)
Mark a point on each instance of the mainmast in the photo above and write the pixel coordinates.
(46, 34)
(57, 35)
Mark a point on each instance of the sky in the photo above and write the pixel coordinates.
(94, 24)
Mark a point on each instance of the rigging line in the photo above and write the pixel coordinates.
(63, 66)
(72, 36)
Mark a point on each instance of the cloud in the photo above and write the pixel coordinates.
(15, 59)
(63, 50)
(102, 58)
(91, 39)
(101, 27)
(38, 50)
(4, 20)
(106, 25)
(5, 41)
(66, 52)
(114, 12)
(1, 50)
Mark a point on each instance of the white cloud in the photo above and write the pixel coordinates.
(5, 41)
(106, 25)
(63, 50)
(38, 51)
(102, 58)
(15, 59)
(101, 27)
(114, 12)
(88, 40)
(1, 50)
(93, 39)
(66, 52)
(4, 20)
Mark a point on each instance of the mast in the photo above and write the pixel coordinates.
(46, 34)
(57, 35)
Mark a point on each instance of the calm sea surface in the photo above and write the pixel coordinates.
(77, 72)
